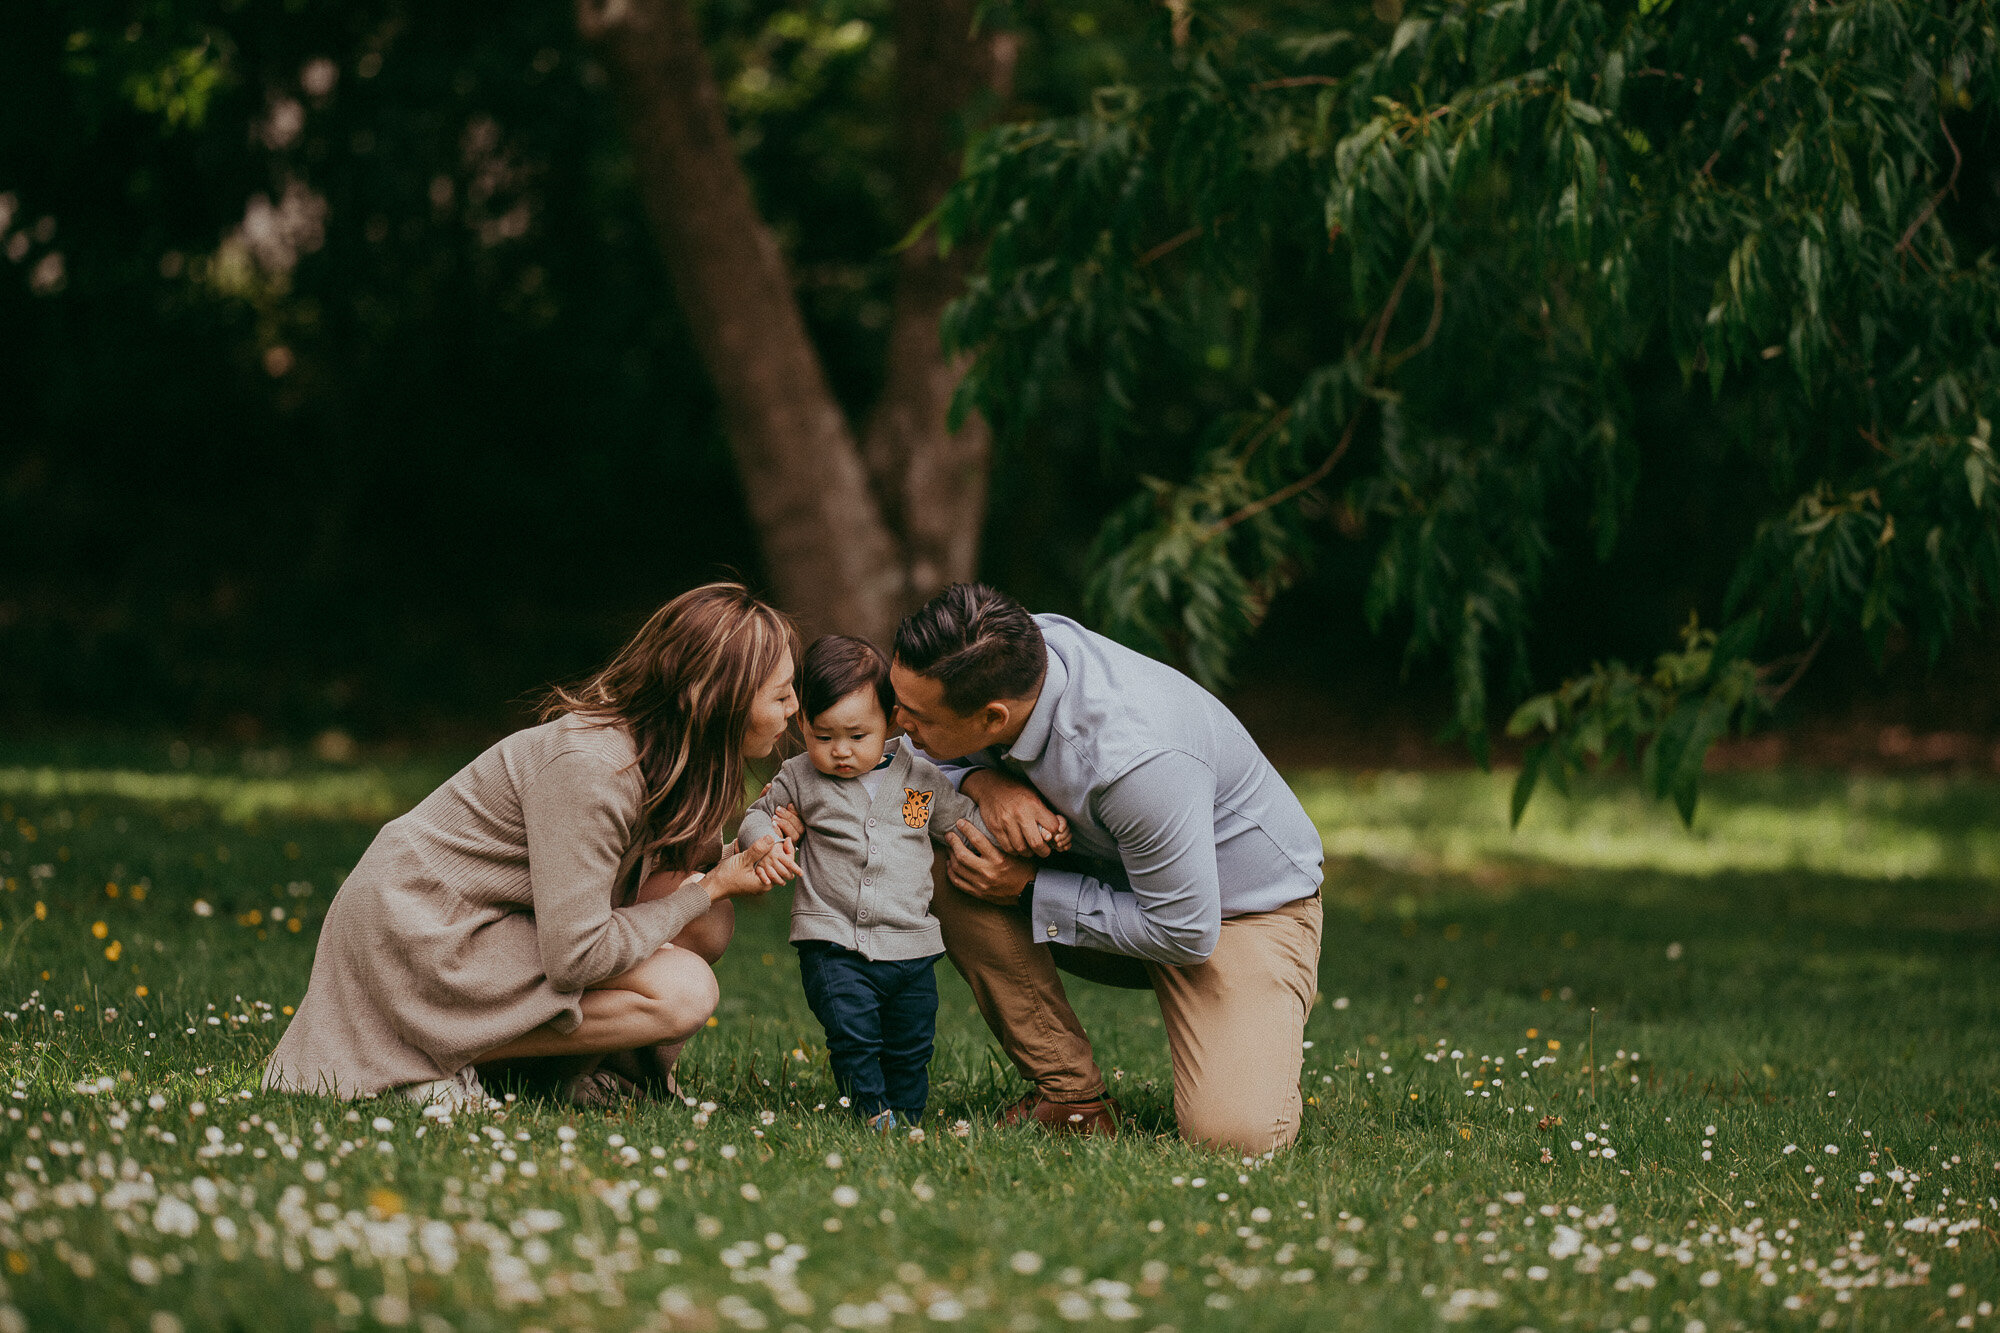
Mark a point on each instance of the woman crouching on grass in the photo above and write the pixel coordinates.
(542, 912)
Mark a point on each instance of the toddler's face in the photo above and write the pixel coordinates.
(847, 739)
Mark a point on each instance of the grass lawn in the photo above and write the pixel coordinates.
(1793, 1122)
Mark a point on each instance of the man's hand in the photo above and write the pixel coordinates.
(1021, 821)
(983, 870)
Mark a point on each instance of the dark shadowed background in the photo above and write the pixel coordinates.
(346, 389)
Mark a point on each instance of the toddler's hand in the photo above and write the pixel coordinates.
(779, 866)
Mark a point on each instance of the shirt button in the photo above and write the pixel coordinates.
(1052, 932)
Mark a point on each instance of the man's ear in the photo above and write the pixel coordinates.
(996, 715)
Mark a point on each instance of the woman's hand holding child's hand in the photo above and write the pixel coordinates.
(746, 873)
(780, 866)
(790, 827)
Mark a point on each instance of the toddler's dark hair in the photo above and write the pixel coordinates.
(836, 666)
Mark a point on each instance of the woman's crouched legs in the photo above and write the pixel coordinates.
(635, 1023)
(664, 999)
(651, 1067)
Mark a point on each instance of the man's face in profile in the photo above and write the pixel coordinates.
(940, 732)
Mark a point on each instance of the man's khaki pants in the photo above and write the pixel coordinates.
(1235, 1024)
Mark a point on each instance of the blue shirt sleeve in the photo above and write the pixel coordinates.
(1162, 816)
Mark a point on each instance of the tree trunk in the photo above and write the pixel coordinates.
(851, 541)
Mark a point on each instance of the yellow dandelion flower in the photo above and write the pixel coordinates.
(1534, 1033)
(141, 992)
(1465, 1133)
(113, 949)
(111, 890)
(17, 1263)
(295, 925)
(41, 911)
(1555, 1045)
(1442, 982)
(288, 1011)
(713, 1021)
(99, 929)
(138, 893)
(385, 1201)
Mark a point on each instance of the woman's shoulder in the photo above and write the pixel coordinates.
(585, 745)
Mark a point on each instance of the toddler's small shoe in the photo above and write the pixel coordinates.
(883, 1122)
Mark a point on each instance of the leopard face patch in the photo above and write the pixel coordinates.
(916, 807)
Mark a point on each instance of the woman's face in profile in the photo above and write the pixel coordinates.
(770, 711)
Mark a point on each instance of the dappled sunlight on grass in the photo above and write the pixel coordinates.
(1828, 824)
(1541, 1090)
(357, 794)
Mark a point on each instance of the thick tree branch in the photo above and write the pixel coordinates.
(929, 480)
(829, 553)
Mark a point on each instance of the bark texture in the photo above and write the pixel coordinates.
(853, 536)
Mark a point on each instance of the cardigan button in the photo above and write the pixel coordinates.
(871, 823)
(1052, 932)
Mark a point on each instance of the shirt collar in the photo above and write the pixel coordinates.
(1034, 737)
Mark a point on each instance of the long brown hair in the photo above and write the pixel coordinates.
(683, 686)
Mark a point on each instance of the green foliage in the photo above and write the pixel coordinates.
(1419, 269)
(1663, 722)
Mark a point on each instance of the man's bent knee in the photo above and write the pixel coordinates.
(1242, 1130)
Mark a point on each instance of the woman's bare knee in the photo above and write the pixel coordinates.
(676, 989)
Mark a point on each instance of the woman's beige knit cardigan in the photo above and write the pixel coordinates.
(480, 915)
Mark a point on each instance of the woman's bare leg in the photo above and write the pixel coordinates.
(652, 1066)
(664, 999)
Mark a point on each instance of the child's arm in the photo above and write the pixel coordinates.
(949, 806)
(760, 819)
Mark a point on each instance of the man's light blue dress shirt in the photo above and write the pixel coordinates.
(1155, 775)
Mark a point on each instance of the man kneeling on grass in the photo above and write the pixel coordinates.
(1195, 870)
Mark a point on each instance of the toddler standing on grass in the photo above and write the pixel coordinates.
(861, 916)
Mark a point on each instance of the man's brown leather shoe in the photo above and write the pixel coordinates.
(1095, 1117)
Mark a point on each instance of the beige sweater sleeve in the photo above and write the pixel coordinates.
(578, 812)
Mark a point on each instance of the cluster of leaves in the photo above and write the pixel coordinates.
(1426, 260)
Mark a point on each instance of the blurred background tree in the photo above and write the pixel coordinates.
(353, 381)
(352, 387)
(1457, 283)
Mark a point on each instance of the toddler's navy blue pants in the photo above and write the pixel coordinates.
(880, 1017)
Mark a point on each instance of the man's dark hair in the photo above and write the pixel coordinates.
(836, 666)
(977, 642)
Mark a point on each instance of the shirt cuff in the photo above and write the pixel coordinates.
(1054, 907)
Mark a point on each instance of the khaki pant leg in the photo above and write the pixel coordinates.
(1019, 994)
(1236, 1029)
